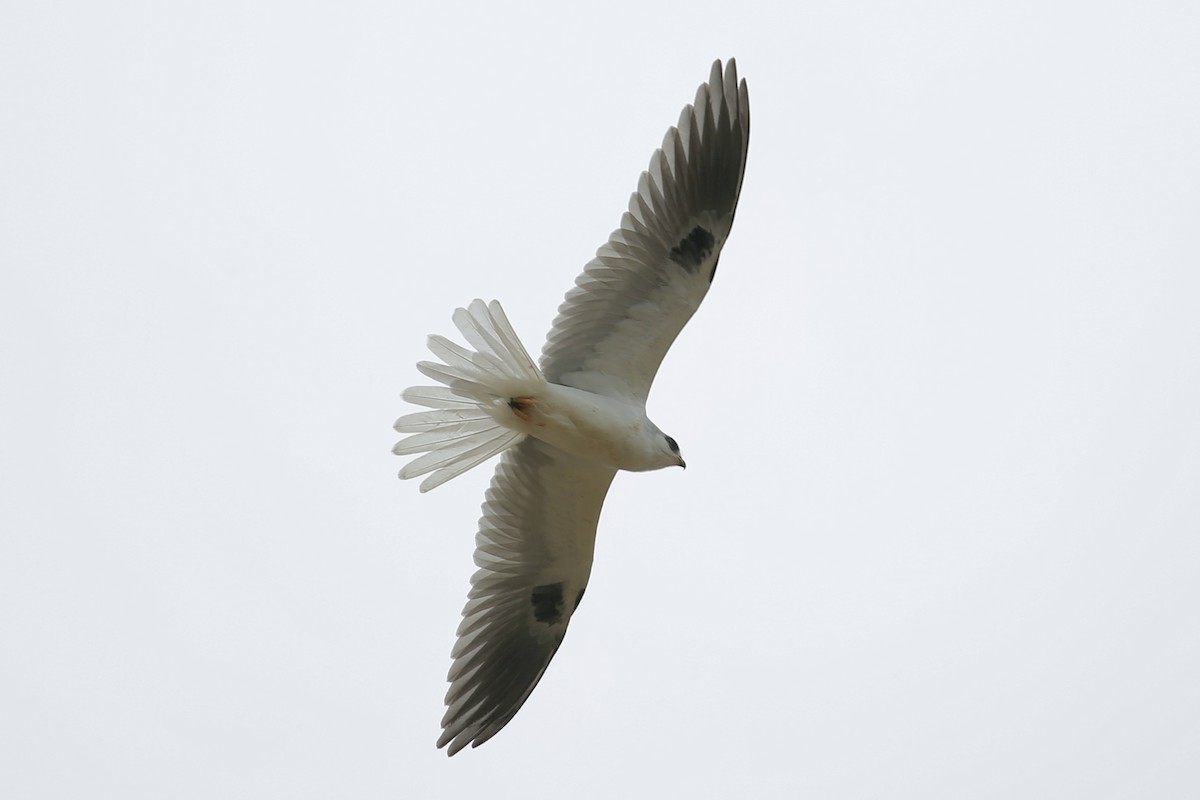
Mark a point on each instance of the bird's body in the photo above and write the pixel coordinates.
(593, 427)
(565, 429)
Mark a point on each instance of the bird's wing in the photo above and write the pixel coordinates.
(633, 298)
(534, 553)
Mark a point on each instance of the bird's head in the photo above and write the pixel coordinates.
(672, 453)
(673, 446)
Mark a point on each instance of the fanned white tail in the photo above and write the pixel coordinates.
(471, 417)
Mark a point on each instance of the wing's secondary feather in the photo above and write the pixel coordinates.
(625, 310)
(534, 553)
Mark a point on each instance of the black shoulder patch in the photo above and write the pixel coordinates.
(547, 601)
(693, 249)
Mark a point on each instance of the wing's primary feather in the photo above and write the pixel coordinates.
(534, 553)
(633, 298)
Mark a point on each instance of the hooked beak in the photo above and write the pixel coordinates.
(682, 463)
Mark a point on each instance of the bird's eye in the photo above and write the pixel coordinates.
(671, 443)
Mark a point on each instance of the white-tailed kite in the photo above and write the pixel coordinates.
(566, 429)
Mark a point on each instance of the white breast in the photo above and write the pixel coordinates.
(593, 427)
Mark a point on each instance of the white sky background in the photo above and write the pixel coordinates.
(939, 533)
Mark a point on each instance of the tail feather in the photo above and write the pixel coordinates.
(436, 397)
(449, 375)
(441, 437)
(431, 420)
(487, 329)
(469, 422)
(511, 342)
(466, 460)
(452, 460)
(459, 357)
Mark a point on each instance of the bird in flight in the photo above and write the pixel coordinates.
(564, 429)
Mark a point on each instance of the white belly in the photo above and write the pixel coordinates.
(591, 426)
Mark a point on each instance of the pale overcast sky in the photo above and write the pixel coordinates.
(938, 536)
